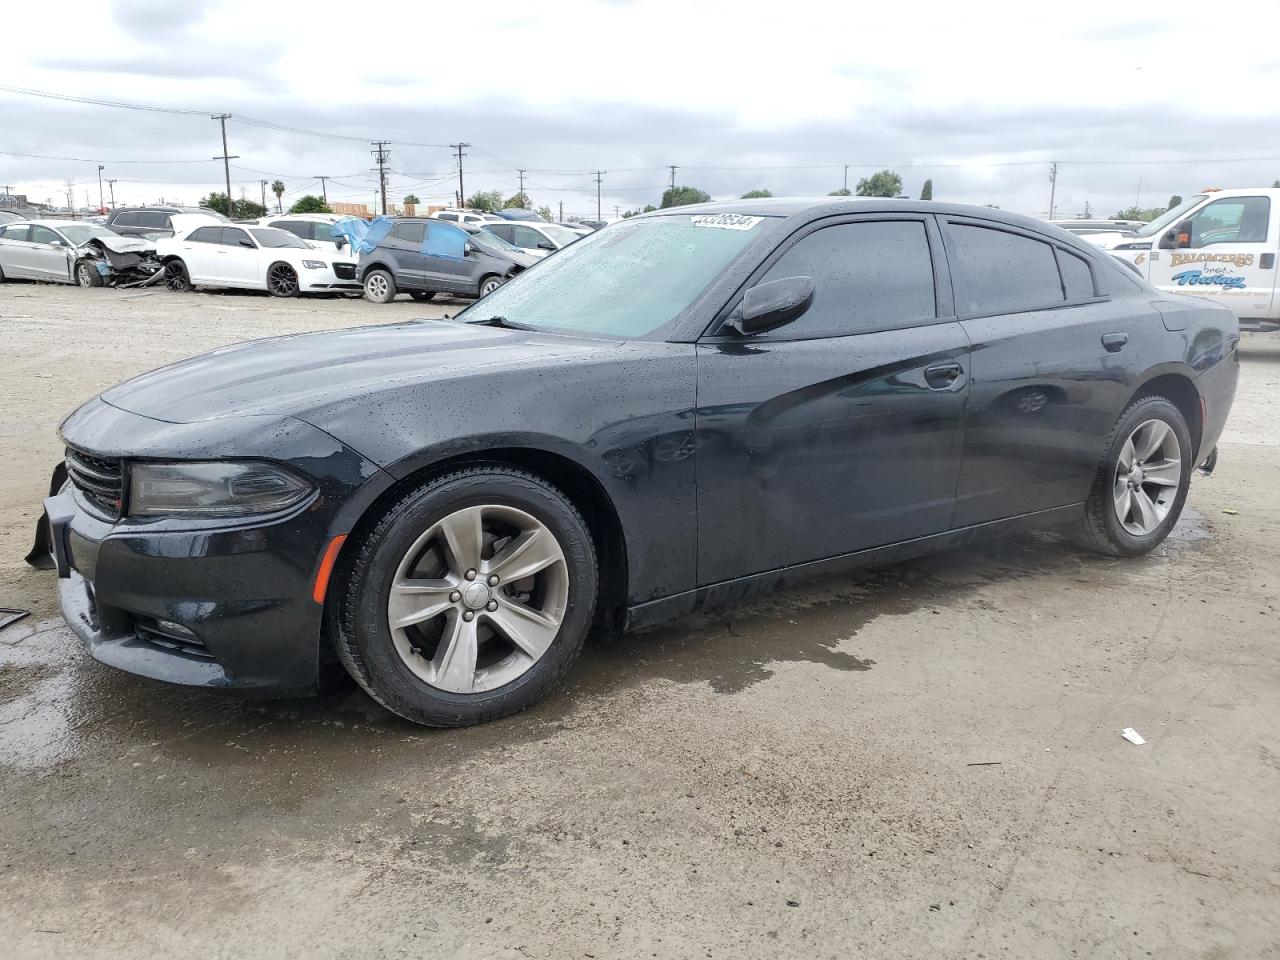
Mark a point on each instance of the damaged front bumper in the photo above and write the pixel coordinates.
(122, 261)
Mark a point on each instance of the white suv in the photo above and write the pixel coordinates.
(469, 217)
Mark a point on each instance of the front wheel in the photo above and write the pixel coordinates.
(176, 277)
(489, 284)
(468, 599)
(87, 275)
(1142, 482)
(282, 280)
(379, 287)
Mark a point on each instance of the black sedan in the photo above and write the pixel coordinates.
(684, 408)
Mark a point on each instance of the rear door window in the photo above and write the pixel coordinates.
(995, 271)
(128, 219)
(503, 230)
(207, 235)
(299, 228)
(411, 233)
(867, 276)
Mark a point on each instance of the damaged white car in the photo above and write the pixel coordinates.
(72, 251)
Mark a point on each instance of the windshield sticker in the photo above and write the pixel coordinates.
(726, 221)
(1238, 259)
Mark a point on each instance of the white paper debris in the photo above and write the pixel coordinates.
(726, 221)
(1132, 735)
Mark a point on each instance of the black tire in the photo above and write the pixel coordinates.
(488, 284)
(176, 277)
(282, 281)
(422, 296)
(1101, 528)
(357, 615)
(87, 275)
(379, 286)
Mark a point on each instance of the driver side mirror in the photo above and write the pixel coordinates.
(546, 245)
(247, 243)
(468, 248)
(1177, 237)
(771, 305)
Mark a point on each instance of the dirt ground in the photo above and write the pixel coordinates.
(920, 761)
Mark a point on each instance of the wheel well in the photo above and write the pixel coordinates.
(375, 266)
(571, 479)
(283, 263)
(1182, 393)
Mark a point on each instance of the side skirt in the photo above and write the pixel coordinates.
(732, 591)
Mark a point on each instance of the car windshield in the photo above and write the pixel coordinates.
(79, 233)
(1169, 216)
(628, 281)
(560, 235)
(492, 242)
(271, 237)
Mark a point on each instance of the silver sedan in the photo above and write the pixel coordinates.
(54, 251)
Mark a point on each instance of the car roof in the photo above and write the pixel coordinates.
(321, 217)
(814, 207)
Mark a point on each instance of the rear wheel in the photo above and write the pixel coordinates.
(422, 296)
(176, 277)
(87, 274)
(379, 286)
(1142, 482)
(469, 598)
(282, 280)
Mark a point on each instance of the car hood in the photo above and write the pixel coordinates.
(122, 244)
(294, 375)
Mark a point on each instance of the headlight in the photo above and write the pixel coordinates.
(212, 489)
(1133, 246)
(314, 264)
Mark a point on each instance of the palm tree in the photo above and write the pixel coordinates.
(278, 189)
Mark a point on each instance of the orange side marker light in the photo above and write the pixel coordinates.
(326, 567)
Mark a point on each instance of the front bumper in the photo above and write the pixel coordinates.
(225, 603)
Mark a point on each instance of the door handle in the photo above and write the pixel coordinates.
(1114, 341)
(942, 375)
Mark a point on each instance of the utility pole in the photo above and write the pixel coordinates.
(71, 198)
(382, 154)
(672, 168)
(111, 185)
(846, 178)
(263, 185)
(101, 203)
(562, 211)
(521, 193)
(462, 192)
(1053, 186)
(226, 158)
(1137, 197)
(323, 194)
(599, 177)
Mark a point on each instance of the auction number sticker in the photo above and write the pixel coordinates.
(726, 221)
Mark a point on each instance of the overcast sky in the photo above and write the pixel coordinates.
(977, 96)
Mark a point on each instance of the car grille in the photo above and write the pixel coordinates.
(344, 271)
(100, 482)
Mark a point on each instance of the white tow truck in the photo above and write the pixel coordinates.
(1218, 244)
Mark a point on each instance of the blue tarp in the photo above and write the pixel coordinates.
(442, 239)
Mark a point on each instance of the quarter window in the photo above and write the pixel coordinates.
(999, 272)
(867, 276)
(1231, 220)
(1077, 278)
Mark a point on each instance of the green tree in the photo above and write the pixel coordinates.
(310, 203)
(488, 201)
(1173, 201)
(411, 198)
(545, 214)
(1138, 213)
(757, 194)
(241, 209)
(886, 183)
(842, 192)
(277, 187)
(926, 192)
(682, 196)
(519, 201)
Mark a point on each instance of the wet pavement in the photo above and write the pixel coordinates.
(920, 760)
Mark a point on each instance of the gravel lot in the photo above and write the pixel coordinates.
(921, 761)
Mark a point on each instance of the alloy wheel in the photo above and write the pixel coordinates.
(376, 286)
(175, 277)
(1147, 477)
(490, 286)
(282, 281)
(478, 598)
(83, 277)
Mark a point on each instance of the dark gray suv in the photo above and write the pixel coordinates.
(400, 262)
(151, 222)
